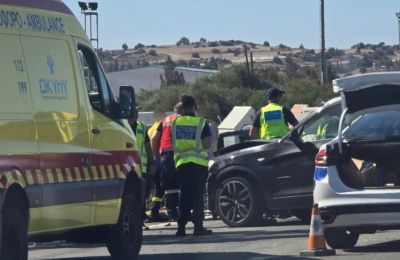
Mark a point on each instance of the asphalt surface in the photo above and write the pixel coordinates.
(283, 240)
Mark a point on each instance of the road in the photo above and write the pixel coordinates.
(283, 240)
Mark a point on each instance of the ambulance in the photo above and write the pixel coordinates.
(69, 168)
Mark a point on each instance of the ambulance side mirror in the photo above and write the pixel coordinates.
(127, 101)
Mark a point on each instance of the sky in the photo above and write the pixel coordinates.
(290, 22)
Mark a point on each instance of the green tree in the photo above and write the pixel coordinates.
(171, 77)
(152, 52)
(124, 46)
(139, 46)
(277, 60)
(183, 41)
(266, 43)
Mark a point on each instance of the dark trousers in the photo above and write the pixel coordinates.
(158, 190)
(148, 180)
(169, 182)
(192, 180)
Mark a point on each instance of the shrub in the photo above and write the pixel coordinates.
(139, 46)
(152, 53)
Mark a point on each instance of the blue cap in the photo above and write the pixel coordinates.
(274, 92)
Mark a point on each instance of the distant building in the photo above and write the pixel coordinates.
(149, 77)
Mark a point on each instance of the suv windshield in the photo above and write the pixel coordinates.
(376, 125)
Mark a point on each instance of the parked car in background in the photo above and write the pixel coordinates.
(254, 179)
(357, 175)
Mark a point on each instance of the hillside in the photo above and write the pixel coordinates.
(216, 55)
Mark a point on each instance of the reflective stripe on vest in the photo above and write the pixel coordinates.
(140, 140)
(166, 142)
(156, 199)
(272, 122)
(186, 140)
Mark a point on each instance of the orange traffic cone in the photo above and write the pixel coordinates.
(316, 245)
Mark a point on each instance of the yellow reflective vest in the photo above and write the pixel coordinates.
(153, 128)
(186, 140)
(141, 131)
(272, 122)
(321, 131)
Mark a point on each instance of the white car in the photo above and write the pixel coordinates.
(357, 175)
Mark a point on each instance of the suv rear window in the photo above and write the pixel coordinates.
(377, 125)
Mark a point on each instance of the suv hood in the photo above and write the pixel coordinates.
(240, 146)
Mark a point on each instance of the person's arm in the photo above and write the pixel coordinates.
(151, 165)
(255, 128)
(289, 117)
(156, 140)
(206, 137)
(155, 143)
(254, 133)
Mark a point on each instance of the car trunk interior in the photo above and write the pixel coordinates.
(372, 164)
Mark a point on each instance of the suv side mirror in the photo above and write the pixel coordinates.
(127, 101)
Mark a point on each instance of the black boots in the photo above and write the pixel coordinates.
(181, 231)
(198, 231)
(201, 231)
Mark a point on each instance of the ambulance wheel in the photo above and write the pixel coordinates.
(341, 238)
(14, 237)
(125, 239)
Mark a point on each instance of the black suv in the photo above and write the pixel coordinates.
(254, 179)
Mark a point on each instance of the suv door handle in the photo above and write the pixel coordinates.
(96, 131)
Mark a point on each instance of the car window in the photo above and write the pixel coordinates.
(378, 125)
(323, 126)
(100, 96)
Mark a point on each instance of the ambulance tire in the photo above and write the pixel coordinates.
(14, 237)
(341, 238)
(125, 239)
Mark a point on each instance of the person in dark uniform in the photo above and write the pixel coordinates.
(190, 140)
(272, 120)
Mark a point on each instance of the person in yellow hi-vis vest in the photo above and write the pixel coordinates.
(158, 192)
(190, 137)
(272, 120)
(147, 164)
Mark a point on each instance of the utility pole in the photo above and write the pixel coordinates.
(398, 19)
(247, 66)
(323, 67)
(251, 69)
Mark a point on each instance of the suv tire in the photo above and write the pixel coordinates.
(238, 202)
(14, 237)
(341, 238)
(125, 239)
